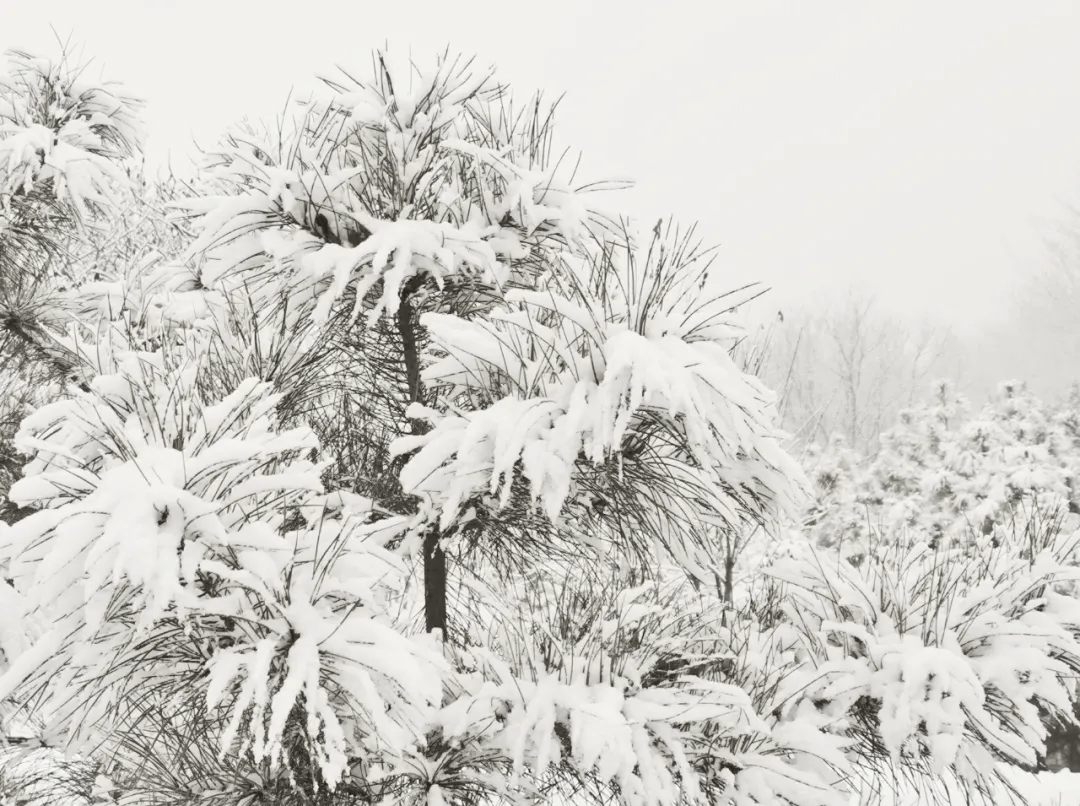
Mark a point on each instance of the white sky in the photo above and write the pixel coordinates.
(907, 148)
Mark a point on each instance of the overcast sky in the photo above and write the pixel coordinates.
(910, 149)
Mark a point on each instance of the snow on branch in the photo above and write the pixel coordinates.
(62, 131)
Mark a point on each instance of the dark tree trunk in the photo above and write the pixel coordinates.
(729, 579)
(434, 582)
(434, 557)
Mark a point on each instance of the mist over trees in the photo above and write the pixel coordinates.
(384, 462)
(846, 368)
(1035, 336)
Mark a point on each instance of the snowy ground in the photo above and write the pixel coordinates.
(1044, 789)
(1051, 788)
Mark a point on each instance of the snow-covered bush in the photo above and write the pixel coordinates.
(948, 474)
(967, 481)
(942, 657)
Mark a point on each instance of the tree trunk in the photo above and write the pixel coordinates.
(434, 582)
(434, 557)
(729, 579)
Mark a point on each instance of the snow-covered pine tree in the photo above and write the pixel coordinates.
(531, 393)
(64, 142)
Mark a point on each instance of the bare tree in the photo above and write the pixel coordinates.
(849, 368)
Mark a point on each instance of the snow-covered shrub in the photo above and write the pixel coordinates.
(942, 659)
(947, 474)
(971, 483)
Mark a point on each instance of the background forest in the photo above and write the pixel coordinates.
(385, 461)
